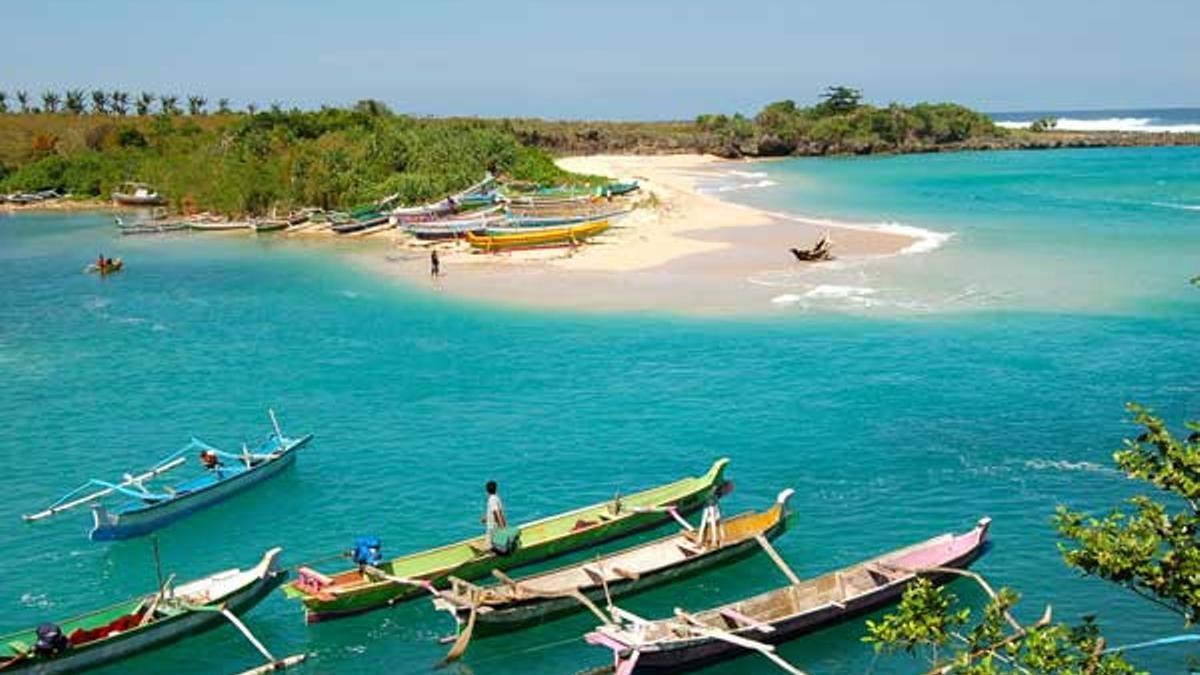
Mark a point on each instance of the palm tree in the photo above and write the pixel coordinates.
(251, 108)
(196, 105)
(74, 101)
(50, 102)
(144, 102)
(23, 100)
(167, 104)
(223, 106)
(3, 101)
(99, 101)
(120, 101)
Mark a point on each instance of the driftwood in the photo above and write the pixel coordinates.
(823, 250)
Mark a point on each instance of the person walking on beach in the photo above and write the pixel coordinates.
(435, 265)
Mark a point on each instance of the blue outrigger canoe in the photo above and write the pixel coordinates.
(145, 510)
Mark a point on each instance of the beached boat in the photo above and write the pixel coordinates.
(143, 623)
(688, 640)
(537, 237)
(475, 195)
(617, 189)
(215, 225)
(269, 224)
(450, 228)
(516, 224)
(542, 201)
(150, 227)
(137, 194)
(223, 475)
(518, 602)
(361, 222)
(359, 590)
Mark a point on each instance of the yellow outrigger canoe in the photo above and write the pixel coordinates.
(542, 236)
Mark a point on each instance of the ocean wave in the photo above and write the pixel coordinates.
(926, 240)
(1142, 124)
(1065, 465)
(764, 183)
(835, 291)
(1182, 207)
(786, 299)
(748, 174)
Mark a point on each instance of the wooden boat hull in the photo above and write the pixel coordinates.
(135, 200)
(540, 237)
(685, 653)
(123, 525)
(352, 592)
(221, 226)
(503, 616)
(259, 582)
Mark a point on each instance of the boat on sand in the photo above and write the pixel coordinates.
(688, 640)
(386, 583)
(132, 193)
(569, 235)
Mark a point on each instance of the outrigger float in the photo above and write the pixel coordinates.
(377, 583)
(146, 622)
(146, 509)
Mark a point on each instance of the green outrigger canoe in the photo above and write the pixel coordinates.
(359, 590)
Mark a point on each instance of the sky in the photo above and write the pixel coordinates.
(612, 59)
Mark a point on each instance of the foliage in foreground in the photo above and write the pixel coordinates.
(1152, 549)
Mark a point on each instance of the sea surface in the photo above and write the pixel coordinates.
(892, 425)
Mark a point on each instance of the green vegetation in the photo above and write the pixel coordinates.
(1043, 124)
(1154, 551)
(251, 163)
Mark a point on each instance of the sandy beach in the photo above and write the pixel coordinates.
(681, 250)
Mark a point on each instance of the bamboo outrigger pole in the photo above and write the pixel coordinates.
(129, 481)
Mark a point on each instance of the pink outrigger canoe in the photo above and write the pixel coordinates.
(686, 641)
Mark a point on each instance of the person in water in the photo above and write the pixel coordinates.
(435, 264)
(493, 517)
(100, 261)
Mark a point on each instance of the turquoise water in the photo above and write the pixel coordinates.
(891, 428)
(1078, 231)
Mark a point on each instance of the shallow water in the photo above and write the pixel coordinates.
(891, 428)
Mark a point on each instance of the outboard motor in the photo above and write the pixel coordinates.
(367, 551)
(50, 640)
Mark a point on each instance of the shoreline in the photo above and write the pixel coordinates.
(681, 251)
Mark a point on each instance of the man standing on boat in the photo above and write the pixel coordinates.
(501, 538)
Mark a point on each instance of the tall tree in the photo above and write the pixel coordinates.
(74, 101)
(251, 108)
(23, 100)
(223, 106)
(167, 104)
(196, 105)
(120, 101)
(99, 101)
(3, 101)
(144, 102)
(50, 101)
(839, 100)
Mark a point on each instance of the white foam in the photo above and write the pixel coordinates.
(926, 240)
(836, 291)
(765, 183)
(786, 299)
(748, 174)
(1139, 124)
(1184, 207)
(1065, 465)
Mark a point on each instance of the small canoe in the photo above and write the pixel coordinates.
(687, 640)
(108, 267)
(540, 597)
(146, 508)
(139, 624)
(269, 225)
(537, 237)
(219, 225)
(137, 194)
(361, 222)
(354, 591)
(617, 189)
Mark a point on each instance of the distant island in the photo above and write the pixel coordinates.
(253, 161)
